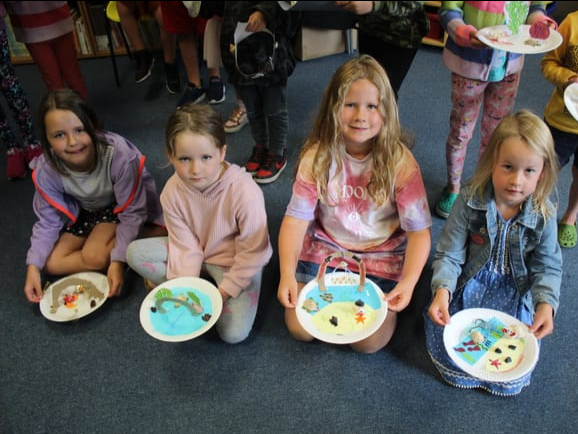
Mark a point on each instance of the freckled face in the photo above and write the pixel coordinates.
(360, 117)
(69, 140)
(516, 173)
(197, 160)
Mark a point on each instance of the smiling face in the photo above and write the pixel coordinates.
(361, 119)
(197, 160)
(69, 140)
(515, 175)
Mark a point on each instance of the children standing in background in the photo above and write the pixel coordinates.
(357, 188)
(216, 221)
(17, 157)
(390, 32)
(46, 28)
(93, 196)
(176, 20)
(130, 13)
(262, 90)
(560, 67)
(498, 249)
(483, 79)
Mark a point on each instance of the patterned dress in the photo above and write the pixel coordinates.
(492, 287)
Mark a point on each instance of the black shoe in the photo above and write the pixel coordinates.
(172, 78)
(192, 94)
(216, 91)
(271, 168)
(144, 65)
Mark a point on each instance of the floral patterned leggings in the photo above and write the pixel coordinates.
(16, 99)
(496, 99)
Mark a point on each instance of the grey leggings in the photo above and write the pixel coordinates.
(148, 257)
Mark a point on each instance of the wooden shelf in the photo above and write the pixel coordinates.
(89, 33)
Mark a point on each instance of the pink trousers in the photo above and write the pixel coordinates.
(57, 60)
(495, 99)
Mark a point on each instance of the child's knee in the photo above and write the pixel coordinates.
(232, 335)
(95, 260)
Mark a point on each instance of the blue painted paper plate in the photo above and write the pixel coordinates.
(181, 309)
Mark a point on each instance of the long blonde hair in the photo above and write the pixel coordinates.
(387, 146)
(529, 128)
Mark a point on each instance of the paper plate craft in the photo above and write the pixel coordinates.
(341, 307)
(491, 345)
(502, 38)
(74, 296)
(181, 309)
(571, 99)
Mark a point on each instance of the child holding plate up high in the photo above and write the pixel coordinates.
(358, 188)
(483, 79)
(560, 67)
(216, 220)
(498, 249)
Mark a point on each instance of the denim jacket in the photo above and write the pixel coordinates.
(467, 239)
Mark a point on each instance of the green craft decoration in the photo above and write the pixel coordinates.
(516, 14)
(164, 293)
(194, 297)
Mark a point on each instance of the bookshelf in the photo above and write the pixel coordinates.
(90, 34)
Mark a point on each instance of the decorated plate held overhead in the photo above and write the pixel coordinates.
(491, 345)
(501, 37)
(74, 296)
(181, 309)
(341, 307)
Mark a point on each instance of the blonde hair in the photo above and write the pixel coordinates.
(529, 128)
(387, 146)
(197, 119)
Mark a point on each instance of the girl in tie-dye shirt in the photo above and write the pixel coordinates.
(358, 188)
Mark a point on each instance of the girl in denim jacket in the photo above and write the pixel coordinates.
(499, 248)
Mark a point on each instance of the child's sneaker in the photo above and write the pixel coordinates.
(216, 91)
(236, 121)
(144, 65)
(16, 164)
(255, 159)
(173, 81)
(192, 94)
(271, 168)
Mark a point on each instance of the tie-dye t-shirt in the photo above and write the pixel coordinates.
(352, 221)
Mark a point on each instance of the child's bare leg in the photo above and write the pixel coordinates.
(73, 254)
(292, 322)
(380, 338)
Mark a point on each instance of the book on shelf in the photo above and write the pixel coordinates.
(81, 39)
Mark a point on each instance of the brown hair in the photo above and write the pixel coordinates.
(194, 118)
(69, 100)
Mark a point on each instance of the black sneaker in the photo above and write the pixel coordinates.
(271, 168)
(144, 65)
(192, 94)
(172, 78)
(216, 91)
(255, 160)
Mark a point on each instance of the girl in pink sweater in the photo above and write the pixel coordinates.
(216, 220)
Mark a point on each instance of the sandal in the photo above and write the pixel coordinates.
(445, 204)
(567, 235)
(236, 121)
